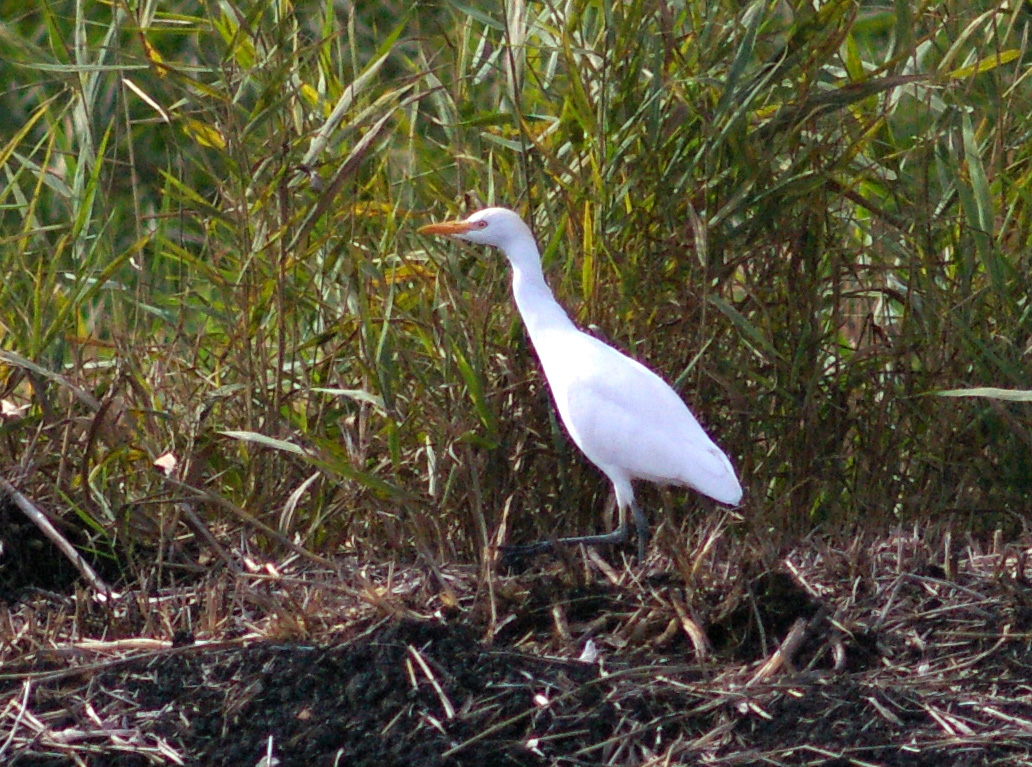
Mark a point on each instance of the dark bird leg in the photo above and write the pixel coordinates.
(617, 536)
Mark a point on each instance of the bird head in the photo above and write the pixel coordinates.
(499, 227)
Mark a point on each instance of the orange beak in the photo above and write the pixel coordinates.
(447, 228)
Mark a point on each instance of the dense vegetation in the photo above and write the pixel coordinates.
(812, 218)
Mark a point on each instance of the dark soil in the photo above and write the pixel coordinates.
(881, 656)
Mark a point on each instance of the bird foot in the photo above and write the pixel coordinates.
(511, 554)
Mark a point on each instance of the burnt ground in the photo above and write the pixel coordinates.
(912, 649)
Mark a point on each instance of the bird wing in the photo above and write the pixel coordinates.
(627, 420)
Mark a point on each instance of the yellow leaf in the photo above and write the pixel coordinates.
(205, 135)
(371, 209)
(407, 272)
(309, 94)
(985, 64)
(155, 58)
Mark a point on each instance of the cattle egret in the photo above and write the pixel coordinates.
(624, 417)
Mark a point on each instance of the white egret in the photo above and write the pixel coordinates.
(624, 417)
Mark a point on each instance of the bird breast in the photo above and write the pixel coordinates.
(628, 421)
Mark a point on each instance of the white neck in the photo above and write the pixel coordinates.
(534, 299)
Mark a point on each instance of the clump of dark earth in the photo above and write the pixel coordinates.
(416, 694)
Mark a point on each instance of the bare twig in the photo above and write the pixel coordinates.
(39, 519)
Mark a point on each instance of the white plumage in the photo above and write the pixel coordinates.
(624, 417)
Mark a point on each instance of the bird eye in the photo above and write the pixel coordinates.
(480, 224)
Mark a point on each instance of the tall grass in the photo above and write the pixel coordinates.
(809, 220)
